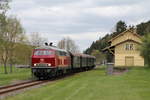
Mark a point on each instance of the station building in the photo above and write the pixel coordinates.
(125, 49)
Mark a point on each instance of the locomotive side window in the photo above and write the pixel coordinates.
(43, 52)
(61, 53)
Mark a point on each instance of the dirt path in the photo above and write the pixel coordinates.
(119, 71)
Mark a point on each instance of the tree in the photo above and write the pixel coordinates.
(3, 9)
(120, 27)
(15, 35)
(98, 44)
(37, 40)
(145, 49)
(22, 54)
(143, 28)
(68, 44)
(4, 6)
(12, 34)
(100, 57)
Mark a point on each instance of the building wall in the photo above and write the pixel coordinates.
(125, 36)
(121, 53)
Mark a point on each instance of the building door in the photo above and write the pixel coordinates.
(129, 61)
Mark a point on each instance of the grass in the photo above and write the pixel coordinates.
(17, 75)
(94, 85)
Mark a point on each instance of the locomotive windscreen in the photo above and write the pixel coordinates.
(43, 52)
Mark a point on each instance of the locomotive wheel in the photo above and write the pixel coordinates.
(56, 74)
(40, 78)
(62, 73)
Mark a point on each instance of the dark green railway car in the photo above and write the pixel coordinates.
(83, 61)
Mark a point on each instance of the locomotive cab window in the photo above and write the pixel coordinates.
(43, 52)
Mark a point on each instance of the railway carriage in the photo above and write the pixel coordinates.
(84, 61)
(48, 61)
(88, 61)
(76, 61)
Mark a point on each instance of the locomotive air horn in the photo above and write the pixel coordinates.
(50, 44)
(46, 43)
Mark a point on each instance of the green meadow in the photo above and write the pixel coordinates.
(94, 85)
(17, 75)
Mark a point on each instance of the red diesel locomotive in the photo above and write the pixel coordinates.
(49, 61)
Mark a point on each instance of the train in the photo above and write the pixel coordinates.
(50, 61)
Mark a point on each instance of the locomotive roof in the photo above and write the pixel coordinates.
(50, 47)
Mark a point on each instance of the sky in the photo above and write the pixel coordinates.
(84, 21)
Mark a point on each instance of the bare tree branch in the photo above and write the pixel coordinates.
(68, 44)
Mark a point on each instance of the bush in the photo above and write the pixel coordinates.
(145, 49)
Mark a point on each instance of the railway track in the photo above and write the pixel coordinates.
(10, 89)
(19, 86)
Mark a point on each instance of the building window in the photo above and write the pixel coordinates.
(129, 47)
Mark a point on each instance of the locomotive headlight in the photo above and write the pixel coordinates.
(34, 64)
(49, 64)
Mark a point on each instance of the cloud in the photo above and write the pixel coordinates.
(90, 19)
(114, 11)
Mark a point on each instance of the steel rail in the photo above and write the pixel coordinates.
(19, 86)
